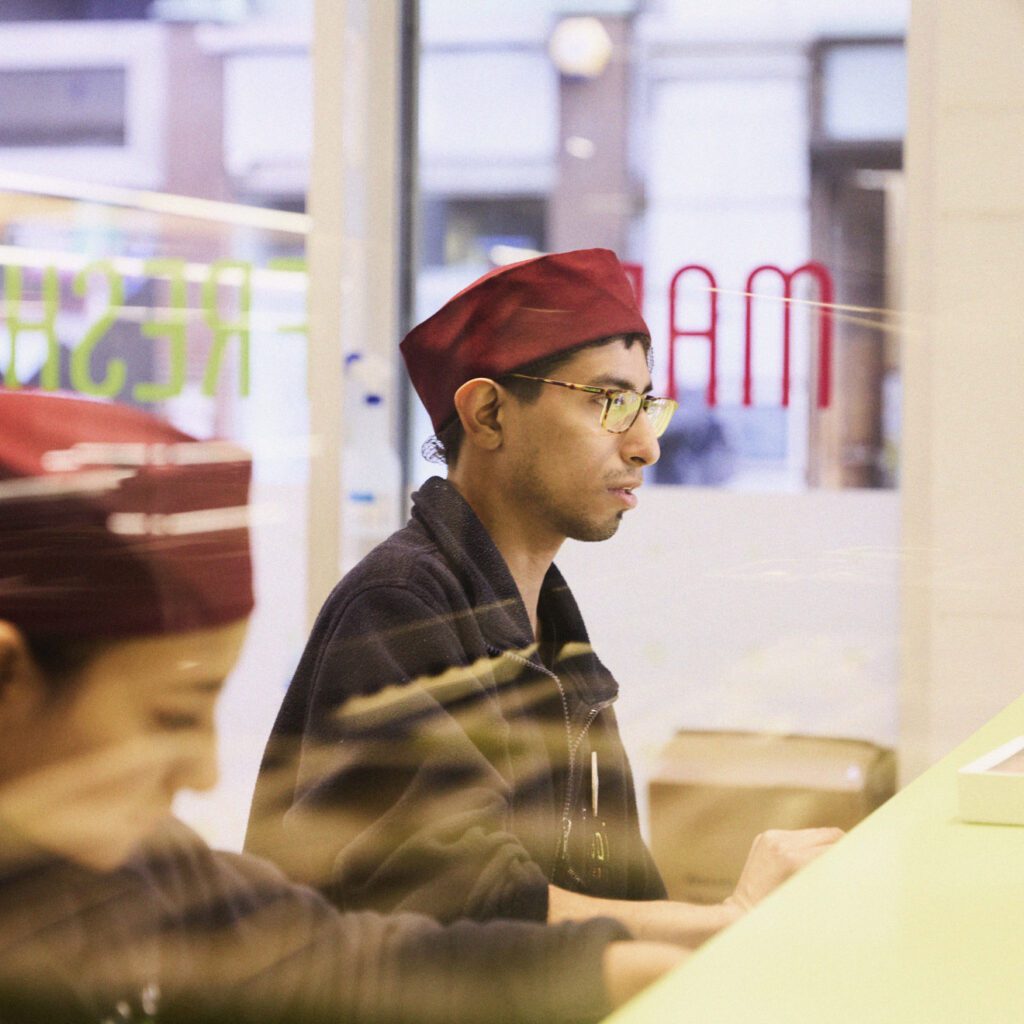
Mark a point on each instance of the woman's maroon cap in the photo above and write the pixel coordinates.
(515, 315)
(113, 523)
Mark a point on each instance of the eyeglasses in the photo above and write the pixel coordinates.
(621, 407)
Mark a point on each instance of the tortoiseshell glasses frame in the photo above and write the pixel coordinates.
(621, 407)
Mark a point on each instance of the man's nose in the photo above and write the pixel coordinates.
(640, 445)
(197, 770)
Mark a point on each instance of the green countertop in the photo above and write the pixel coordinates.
(910, 919)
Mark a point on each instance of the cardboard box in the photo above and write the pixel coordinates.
(991, 789)
(713, 792)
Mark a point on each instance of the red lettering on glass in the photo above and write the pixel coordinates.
(825, 294)
(675, 332)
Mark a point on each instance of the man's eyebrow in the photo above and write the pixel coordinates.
(620, 384)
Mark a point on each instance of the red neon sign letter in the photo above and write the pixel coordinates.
(824, 279)
(711, 332)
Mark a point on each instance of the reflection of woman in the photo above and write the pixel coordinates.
(124, 590)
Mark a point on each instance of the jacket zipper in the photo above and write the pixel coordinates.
(562, 852)
(571, 789)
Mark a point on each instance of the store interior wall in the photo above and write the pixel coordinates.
(963, 534)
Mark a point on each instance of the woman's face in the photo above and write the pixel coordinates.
(89, 772)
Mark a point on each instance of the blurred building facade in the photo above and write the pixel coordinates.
(729, 137)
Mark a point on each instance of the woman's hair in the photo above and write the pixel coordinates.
(444, 446)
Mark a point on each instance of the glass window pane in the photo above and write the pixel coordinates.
(865, 92)
(747, 169)
(152, 252)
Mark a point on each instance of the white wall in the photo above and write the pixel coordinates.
(964, 596)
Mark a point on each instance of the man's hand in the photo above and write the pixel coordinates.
(773, 857)
(630, 967)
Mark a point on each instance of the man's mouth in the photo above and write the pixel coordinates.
(626, 495)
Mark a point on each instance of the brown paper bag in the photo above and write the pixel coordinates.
(713, 792)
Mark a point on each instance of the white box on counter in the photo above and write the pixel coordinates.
(991, 789)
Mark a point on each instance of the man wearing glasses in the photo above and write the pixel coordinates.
(448, 744)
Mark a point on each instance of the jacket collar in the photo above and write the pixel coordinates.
(472, 555)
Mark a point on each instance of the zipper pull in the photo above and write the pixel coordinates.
(566, 829)
(595, 782)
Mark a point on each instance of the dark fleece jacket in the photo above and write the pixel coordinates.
(428, 756)
(188, 935)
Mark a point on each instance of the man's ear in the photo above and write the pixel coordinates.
(478, 404)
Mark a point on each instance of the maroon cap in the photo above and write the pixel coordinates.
(113, 523)
(515, 315)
